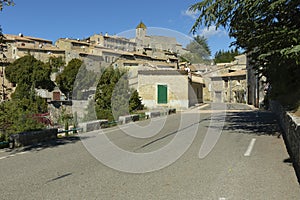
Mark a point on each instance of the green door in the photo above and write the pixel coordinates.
(162, 94)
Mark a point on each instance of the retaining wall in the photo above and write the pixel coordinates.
(32, 137)
(93, 125)
(291, 133)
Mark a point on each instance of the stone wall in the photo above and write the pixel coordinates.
(291, 133)
(93, 125)
(177, 84)
(32, 137)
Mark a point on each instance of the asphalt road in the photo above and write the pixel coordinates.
(182, 156)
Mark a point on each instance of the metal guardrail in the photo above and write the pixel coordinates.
(70, 130)
(4, 144)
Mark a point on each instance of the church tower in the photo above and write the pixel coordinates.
(141, 31)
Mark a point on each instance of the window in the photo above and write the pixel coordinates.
(162, 94)
(226, 83)
(107, 60)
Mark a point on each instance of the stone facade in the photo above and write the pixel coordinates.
(6, 88)
(225, 82)
(112, 42)
(41, 49)
(99, 51)
(155, 41)
(256, 87)
(230, 87)
(180, 92)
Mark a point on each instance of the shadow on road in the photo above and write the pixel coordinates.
(253, 122)
(49, 144)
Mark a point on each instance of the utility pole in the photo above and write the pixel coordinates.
(3, 90)
(3, 76)
(3, 61)
(230, 89)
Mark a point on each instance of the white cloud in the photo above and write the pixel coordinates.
(212, 31)
(189, 13)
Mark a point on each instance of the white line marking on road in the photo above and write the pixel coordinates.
(22, 153)
(12, 155)
(3, 157)
(222, 198)
(250, 147)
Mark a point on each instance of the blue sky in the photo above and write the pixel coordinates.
(79, 19)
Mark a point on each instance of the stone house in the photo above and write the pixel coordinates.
(216, 78)
(112, 42)
(229, 87)
(169, 89)
(20, 45)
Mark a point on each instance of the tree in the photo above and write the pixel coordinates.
(1, 37)
(268, 30)
(199, 50)
(135, 102)
(6, 3)
(56, 63)
(66, 79)
(29, 73)
(225, 56)
(114, 97)
(104, 92)
(17, 116)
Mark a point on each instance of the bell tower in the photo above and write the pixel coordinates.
(141, 31)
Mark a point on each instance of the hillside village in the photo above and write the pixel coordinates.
(155, 70)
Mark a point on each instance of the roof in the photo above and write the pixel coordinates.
(91, 55)
(236, 73)
(197, 79)
(44, 48)
(161, 72)
(39, 39)
(79, 42)
(114, 51)
(26, 38)
(118, 38)
(232, 74)
(141, 25)
(74, 41)
(16, 37)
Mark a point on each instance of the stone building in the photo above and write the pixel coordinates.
(219, 77)
(17, 46)
(143, 52)
(229, 87)
(256, 87)
(112, 42)
(89, 52)
(169, 89)
(143, 40)
(20, 45)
